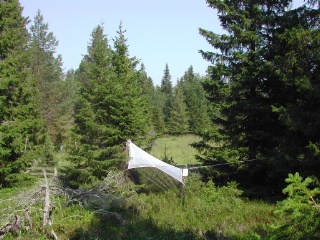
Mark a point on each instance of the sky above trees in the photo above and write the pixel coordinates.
(158, 31)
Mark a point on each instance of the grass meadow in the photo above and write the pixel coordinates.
(176, 147)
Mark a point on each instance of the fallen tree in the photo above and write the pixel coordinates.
(15, 211)
(47, 209)
(21, 212)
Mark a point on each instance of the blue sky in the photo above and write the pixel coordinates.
(158, 31)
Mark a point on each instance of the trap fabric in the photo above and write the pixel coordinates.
(141, 159)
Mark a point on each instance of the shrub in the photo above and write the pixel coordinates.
(300, 210)
(75, 178)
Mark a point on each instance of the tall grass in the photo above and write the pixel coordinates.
(206, 212)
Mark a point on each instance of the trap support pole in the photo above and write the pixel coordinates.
(184, 173)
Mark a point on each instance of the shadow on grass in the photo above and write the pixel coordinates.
(114, 215)
(134, 228)
(115, 211)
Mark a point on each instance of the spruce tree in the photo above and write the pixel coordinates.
(167, 93)
(147, 89)
(237, 77)
(236, 86)
(166, 83)
(295, 90)
(157, 111)
(90, 124)
(259, 79)
(21, 127)
(178, 118)
(111, 107)
(67, 95)
(47, 71)
(131, 115)
(195, 99)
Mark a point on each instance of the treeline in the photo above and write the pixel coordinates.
(256, 110)
(89, 112)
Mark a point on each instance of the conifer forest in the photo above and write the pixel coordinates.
(254, 117)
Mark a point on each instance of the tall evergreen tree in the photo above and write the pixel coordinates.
(178, 118)
(20, 122)
(67, 95)
(147, 89)
(93, 77)
(145, 82)
(297, 73)
(249, 83)
(237, 69)
(111, 107)
(47, 70)
(195, 98)
(129, 107)
(157, 111)
(167, 93)
(166, 83)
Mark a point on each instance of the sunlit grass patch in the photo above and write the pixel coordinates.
(176, 147)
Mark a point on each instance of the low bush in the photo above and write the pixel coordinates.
(300, 210)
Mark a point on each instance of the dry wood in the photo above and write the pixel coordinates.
(13, 227)
(5, 230)
(28, 219)
(48, 169)
(25, 201)
(48, 207)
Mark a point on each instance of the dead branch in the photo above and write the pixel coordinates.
(45, 219)
(28, 219)
(100, 199)
(19, 203)
(48, 208)
(14, 227)
(18, 207)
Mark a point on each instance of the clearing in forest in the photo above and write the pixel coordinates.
(176, 147)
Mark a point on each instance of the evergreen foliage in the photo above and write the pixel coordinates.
(147, 89)
(111, 107)
(67, 90)
(300, 209)
(297, 74)
(166, 89)
(195, 99)
(178, 115)
(261, 93)
(93, 76)
(166, 83)
(20, 123)
(131, 116)
(47, 71)
(157, 111)
(260, 79)
(48, 157)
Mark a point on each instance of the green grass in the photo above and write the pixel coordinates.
(217, 213)
(207, 212)
(177, 147)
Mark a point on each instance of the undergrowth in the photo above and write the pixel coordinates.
(114, 209)
(208, 211)
(152, 209)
